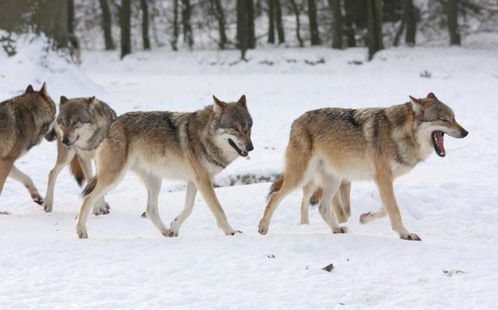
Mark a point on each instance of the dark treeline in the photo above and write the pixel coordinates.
(338, 24)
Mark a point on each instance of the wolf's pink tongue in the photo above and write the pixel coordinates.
(440, 142)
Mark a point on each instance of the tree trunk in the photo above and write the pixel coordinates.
(70, 17)
(452, 16)
(219, 14)
(374, 31)
(242, 28)
(280, 26)
(295, 8)
(410, 16)
(312, 16)
(124, 20)
(251, 43)
(145, 24)
(176, 28)
(187, 26)
(349, 24)
(336, 23)
(107, 25)
(271, 21)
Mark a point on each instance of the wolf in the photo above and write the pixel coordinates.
(330, 145)
(192, 147)
(81, 125)
(25, 120)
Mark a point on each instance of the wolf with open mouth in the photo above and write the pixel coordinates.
(331, 147)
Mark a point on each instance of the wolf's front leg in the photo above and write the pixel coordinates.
(205, 186)
(384, 182)
(25, 180)
(64, 156)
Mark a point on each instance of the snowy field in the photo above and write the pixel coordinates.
(451, 202)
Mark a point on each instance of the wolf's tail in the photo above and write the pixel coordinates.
(276, 185)
(317, 195)
(90, 186)
(76, 171)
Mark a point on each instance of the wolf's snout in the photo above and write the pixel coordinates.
(464, 133)
(249, 147)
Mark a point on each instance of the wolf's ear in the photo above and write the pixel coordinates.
(218, 105)
(416, 104)
(90, 100)
(242, 101)
(29, 89)
(43, 90)
(431, 96)
(63, 100)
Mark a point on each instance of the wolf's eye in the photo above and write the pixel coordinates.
(445, 120)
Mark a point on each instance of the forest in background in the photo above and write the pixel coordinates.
(132, 25)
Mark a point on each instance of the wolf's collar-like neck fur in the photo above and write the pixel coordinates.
(208, 148)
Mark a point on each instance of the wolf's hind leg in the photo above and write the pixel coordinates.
(187, 210)
(101, 207)
(308, 191)
(25, 180)
(331, 186)
(297, 172)
(153, 185)
(64, 156)
(372, 216)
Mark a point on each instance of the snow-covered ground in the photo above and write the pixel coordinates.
(451, 202)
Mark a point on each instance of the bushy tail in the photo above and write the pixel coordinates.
(77, 171)
(90, 186)
(276, 185)
(317, 195)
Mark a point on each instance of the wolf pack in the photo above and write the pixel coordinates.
(328, 149)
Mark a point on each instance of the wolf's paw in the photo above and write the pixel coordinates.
(410, 236)
(167, 233)
(81, 232)
(37, 199)
(47, 206)
(366, 217)
(263, 227)
(233, 232)
(305, 222)
(340, 230)
(102, 210)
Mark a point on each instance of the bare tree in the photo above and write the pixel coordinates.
(70, 16)
(186, 23)
(312, 16)
(219, 14)
(107, 25)
(296, 11)
(374, 31)
(278, 18)
(410, 15)
(125, 22)
(145, 24)
(176, 27)
(349, 24)
(452, 17)
(275, 21)
(271, 21)
(250, 24)
(337, 23)
(243, 24)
